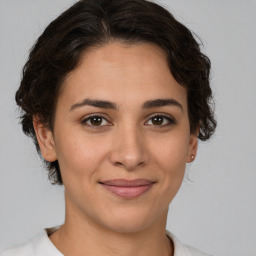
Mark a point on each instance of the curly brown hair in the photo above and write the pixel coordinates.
(97, 22)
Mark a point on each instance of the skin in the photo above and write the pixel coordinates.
(126, 144)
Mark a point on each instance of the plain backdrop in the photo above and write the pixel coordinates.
(215, 208)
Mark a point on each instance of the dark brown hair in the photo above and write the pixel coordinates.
(97, 22)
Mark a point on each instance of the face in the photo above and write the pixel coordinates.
(121, 136)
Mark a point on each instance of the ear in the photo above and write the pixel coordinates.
(45, 140)
(192, 148)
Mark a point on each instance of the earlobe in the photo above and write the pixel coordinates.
(45, 140)
(193, 142)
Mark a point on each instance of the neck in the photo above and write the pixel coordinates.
(80, 235)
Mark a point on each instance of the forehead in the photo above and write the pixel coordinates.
(121, 73)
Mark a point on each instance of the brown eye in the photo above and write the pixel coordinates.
(94, 121)
(161, 120)
(157, 120)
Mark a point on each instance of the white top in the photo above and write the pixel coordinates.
(41, 245)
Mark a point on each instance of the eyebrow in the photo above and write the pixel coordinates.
(111, 105)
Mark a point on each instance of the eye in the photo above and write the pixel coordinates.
(98, 120)
(161, 120)
(94, 121)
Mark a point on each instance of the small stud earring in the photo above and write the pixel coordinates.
(192, 157)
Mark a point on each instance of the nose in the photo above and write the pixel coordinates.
(129, 149)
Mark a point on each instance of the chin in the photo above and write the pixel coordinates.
(130, 220)
(127, 227)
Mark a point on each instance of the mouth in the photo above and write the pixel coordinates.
(127, 189)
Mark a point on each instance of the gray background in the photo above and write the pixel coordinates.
(216, 210)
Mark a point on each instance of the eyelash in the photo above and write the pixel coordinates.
(169, 119)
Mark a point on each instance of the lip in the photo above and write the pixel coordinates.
(127, 189)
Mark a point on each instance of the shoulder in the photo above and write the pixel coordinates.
(195, 252)
(181, 249)
(25, 249)
(40, 245)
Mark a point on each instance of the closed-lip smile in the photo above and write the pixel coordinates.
(127, 189)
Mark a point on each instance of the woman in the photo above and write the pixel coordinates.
(115, 95)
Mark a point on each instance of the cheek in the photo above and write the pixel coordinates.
(78, 155)
(172, 149)
(171, 159)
